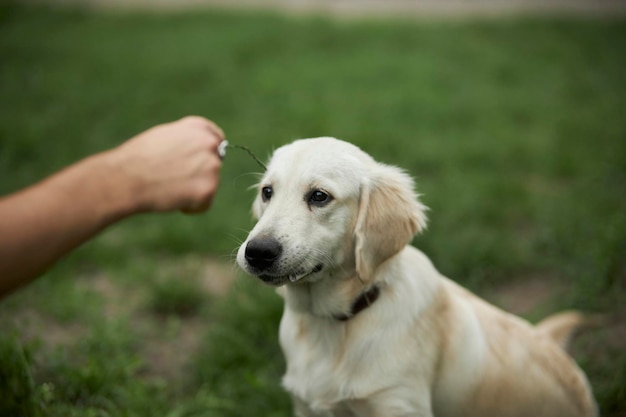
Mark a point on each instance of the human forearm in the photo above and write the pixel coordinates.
(173, 166)
(49, 219)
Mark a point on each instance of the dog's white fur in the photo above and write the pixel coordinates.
(426, 347)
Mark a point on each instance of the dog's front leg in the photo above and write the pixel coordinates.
(302, 409)
(425, 412)
(404, 401)
(372, 407)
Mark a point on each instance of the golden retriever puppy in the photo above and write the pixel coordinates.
(370, 327)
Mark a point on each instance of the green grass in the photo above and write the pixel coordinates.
(514, 130)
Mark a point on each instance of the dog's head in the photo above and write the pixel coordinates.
(326, 208)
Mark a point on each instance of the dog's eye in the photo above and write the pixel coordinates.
(266, 193)
(319, 198)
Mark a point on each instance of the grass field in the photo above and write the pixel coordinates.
(514, 130)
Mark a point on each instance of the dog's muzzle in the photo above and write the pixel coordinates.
(262, 253)
(263, 258)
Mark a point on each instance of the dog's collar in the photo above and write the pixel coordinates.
(363, 301)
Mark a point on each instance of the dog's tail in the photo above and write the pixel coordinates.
(562, 327)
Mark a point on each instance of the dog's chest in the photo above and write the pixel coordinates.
(317, 367)
(338, 375)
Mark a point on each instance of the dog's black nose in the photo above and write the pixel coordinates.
(261, 253)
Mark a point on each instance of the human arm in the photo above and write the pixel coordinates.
(174, 166)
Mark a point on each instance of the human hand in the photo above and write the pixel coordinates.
(173, 166)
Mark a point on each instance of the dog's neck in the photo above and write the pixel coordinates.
(363, 301)
(336, 297)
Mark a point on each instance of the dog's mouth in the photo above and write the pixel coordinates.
(294, 277)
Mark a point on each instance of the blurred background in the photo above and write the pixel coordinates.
(509, 114)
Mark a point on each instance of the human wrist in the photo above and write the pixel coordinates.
(116, 191)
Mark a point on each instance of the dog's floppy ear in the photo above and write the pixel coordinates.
(389, 216)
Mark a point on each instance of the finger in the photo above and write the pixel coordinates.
(197, 209)
(216, 130)
(195, 120)
(205, 124)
